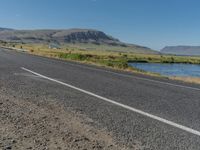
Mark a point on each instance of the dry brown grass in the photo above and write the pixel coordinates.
(43, 50)
(187, 79)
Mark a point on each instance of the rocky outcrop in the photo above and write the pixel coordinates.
(70, 36)
(59, 36)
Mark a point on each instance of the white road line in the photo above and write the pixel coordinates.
(176, 125)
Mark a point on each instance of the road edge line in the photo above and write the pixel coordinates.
(165, 121)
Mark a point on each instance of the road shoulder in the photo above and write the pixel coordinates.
(25, 124)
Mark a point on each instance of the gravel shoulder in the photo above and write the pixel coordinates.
(46, 124)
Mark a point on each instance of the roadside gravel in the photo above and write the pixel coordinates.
(45, 124)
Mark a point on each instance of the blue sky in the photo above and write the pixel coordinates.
(152, 23)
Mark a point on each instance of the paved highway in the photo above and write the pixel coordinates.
(152, 112)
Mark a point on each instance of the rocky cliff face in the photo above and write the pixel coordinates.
(83, 36)
(58, 36)
(70, 36)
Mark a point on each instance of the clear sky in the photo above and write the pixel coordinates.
(152, 23)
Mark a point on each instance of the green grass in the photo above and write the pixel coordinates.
(116, 60)
(164, 59)
(103, 60)
(102, 57)
(104, 47)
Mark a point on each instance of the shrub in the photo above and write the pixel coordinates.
(80, 57)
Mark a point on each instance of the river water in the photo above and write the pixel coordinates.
(185, 70)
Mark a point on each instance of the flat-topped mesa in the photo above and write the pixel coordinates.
(182, 50)
(77, 35)
(58, 36)
(68, 36)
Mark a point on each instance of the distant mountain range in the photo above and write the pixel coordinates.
(58, 36)
(182, 50)
(66, 36)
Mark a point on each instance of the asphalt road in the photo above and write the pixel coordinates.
(152, 112)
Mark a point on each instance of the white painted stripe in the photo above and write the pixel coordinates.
(176, 125)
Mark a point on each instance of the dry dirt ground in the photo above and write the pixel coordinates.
(46, 124)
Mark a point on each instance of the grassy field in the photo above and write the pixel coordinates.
(114, 48)
(103, 56)
(116, 60)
